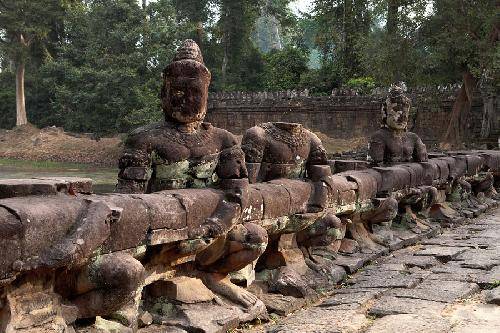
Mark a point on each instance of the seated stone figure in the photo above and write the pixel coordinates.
(281, 150)
(184, 152)
(393, 143)
(288, 150)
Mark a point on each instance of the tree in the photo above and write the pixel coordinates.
(22, 24)
(341, 23)
(197, 13)
(235, 25)
(462, 36)
(107, 76)
(284, 68)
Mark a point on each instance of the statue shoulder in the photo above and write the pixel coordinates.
(380, 135)
(413, 136)
(315, 140)
(226, 138)
(254, 134)
(139, 137)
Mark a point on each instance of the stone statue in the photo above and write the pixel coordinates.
(281, 150)
(182, 151)
(90, 287)
(288, 150)
(393, 143)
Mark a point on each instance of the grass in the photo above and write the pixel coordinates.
(31, 165)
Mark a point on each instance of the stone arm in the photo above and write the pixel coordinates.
(420, 151)
(91, 230)
(376, 151)
(317, 171)
(317, 153)
(135, 169)
(253, 145)
(233, 177)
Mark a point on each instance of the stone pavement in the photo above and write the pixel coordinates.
(449, 283)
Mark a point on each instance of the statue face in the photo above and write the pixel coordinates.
(185, 99)
(397, 114)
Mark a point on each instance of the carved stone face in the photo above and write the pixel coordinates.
(397, 113)
(185, 98)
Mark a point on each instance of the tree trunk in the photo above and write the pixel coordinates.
(392, 32)
(488, 95)
(21, 118)
(457, 132)
(225, 43)
(349, 56)
(200, 31)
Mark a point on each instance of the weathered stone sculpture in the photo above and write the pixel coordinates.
(278, 151)
(393, 143)
(281, 150)
(97, 286)
(184, 152)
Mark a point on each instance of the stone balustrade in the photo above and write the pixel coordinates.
(36, 214)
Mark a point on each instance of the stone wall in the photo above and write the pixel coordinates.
(344, 116)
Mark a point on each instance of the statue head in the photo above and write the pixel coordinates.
(396, 109)
(184, 92)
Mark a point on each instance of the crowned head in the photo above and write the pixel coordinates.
(396, 108)
(184, 92)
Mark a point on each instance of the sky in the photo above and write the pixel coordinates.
(300, 5)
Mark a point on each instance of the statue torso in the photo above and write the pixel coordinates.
(285, 153)
(397, 147)
(181, 160)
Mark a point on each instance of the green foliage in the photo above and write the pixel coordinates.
(362, 84)
(95, 65)
(7, 100)
(284, 68)
(321, 81)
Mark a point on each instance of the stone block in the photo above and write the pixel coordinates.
(393, 178)
(181, 289)
(493, 296)
(199, 204)
(442, 166)
(415, 323)
(164, 211)
(391, 305)
(447, 292)
(255, 207)
(282, 305)
(299, 192)
(474, 164)
(132, 228)
(368, 183)
(347, 165)
(416, 171)
(460, 168)
(341, 190)
(491, 159)
(10, 188)
(276, 200)
(431, 172)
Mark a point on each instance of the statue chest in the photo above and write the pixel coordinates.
(282, 160)
(177, 166)
(399, 149)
